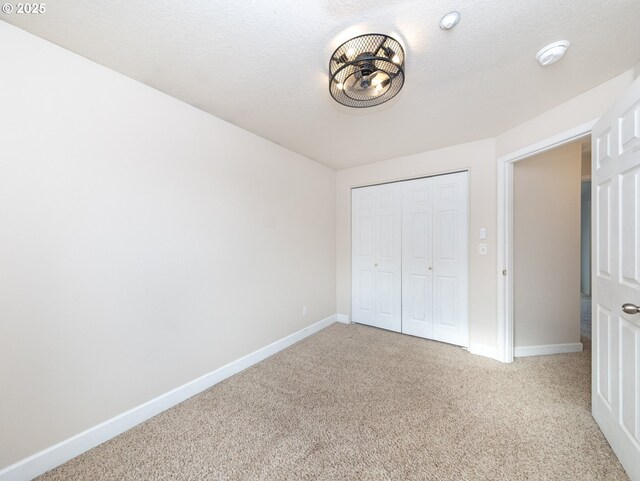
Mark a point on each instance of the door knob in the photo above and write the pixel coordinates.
(629, 308)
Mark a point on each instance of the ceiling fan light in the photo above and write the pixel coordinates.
(372, 74)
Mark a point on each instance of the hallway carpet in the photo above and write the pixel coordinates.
(358, 403)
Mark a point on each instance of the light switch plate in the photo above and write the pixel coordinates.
(483, 233)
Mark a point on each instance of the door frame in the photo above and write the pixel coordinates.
(505, 165)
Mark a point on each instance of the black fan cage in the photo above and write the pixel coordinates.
(366, 71)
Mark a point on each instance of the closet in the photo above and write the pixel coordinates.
(410, 259)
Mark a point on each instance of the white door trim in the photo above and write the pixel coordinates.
(505, 228)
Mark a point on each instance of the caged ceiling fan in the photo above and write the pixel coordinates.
(367, 70)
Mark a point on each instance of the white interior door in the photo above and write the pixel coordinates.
(450, 265)
(434, 258)
(616, 267)
(417, 255)
(376, 256)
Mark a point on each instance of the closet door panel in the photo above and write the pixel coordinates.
(387, 256)
(450, 259)
(376, 282)
(417, 283)
(362, 237)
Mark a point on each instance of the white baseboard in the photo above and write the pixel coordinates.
(486, 351)
(547, 349)
(343, 318)
(62, 452)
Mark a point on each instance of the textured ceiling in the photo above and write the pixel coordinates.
(262, 64)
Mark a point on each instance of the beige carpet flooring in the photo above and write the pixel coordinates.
(358, 403)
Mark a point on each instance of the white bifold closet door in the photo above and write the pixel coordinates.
(376, 256)
(409, 253)
(434, 258)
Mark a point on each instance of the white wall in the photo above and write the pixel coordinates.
(546, 251)
(583, 108)
(479, 159)
(143, 243)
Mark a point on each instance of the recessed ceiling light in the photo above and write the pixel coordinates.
(552, 52)
(449, 21)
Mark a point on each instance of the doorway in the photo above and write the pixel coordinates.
(547, 247)
(505, 228)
